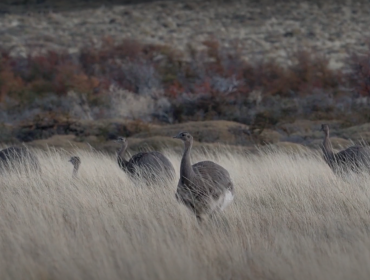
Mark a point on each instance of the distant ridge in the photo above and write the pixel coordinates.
(40, 6)
(24, 6)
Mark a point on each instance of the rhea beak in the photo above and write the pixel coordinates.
(176, 137)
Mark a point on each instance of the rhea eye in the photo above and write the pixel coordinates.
(182, 134)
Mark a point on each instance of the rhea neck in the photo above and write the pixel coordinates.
(121, 154)
(186, 169)
(75, 170)
(327, 148)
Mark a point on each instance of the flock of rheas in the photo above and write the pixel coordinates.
(204, 187)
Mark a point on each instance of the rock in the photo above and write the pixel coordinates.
(291, 147)
(7, 134)
(301, 131)
(155, 143)
(269, 136)
(104, 129)
(337, 143)
(59, 141)
(358, 133)
(225, 132)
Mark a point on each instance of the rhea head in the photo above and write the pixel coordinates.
(325, 128)
(76, 161)
(184, 136)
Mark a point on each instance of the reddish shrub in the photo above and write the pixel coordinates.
(174, 89)
(311, 71)
(211, 81)
(9, 84)
(359, 75)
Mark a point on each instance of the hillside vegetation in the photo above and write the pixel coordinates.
(95, 73)
(55, 93)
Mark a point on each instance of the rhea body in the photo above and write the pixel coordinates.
(151, 166)
(353, 158)
(13, 157)
(204, 187)
(76, 162)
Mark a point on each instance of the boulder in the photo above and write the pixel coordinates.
(226, 132)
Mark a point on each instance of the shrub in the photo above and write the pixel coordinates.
(359, 75)
(156, 83)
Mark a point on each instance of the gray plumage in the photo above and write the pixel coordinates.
(205, 186)
(76, 162)
(353, 158)
(150, 166)
(15, 157)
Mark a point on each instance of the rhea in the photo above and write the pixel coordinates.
(352, 158)
(76, 162)
(151, 166)
(204, 187)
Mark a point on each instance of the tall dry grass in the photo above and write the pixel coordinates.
(291, 219)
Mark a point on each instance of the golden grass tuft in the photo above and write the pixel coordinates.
(291, 219)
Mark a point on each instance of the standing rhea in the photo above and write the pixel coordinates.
(15, 157)
(352, 158)
(76, 161)
(205, 186)
(151, 166)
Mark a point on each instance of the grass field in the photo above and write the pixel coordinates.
(291, 219)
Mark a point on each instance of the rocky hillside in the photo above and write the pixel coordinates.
(262, 29)
(118, 69)
(298, 136)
